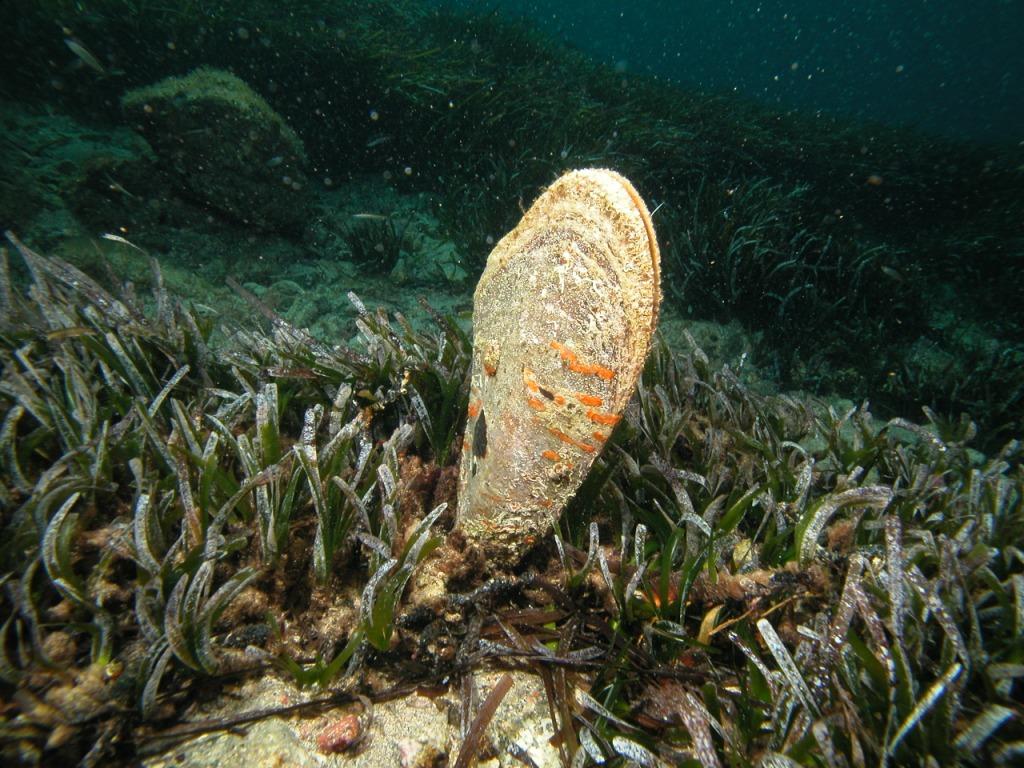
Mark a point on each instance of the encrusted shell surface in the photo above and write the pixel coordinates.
(563, 317)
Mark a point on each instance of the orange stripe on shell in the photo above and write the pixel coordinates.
(610, 419)
(572, 361)
(585, 447)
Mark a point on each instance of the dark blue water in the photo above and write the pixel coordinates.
(946, 66)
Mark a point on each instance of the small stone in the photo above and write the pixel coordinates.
(61, 648)
(413, 753)
(340, 735)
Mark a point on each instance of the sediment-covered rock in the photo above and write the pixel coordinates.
(227, 149)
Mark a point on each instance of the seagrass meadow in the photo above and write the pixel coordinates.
(241, 242)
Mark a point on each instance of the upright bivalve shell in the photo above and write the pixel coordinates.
(563, 317)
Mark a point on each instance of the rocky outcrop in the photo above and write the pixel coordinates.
(227, 150)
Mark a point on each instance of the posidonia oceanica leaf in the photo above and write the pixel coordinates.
(924, 704)
(814, 520)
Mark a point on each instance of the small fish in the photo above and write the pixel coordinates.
(292, 373)
(378, 140)
(85, 55)
(275, 161)
(369, 216)
(891, 273)
(117, 187)
(123, 241)
(70, 333)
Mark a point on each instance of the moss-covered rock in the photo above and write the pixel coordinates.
(227, 148)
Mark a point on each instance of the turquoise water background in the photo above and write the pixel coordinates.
(947, 66)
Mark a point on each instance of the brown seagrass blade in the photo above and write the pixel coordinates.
(563, 317)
